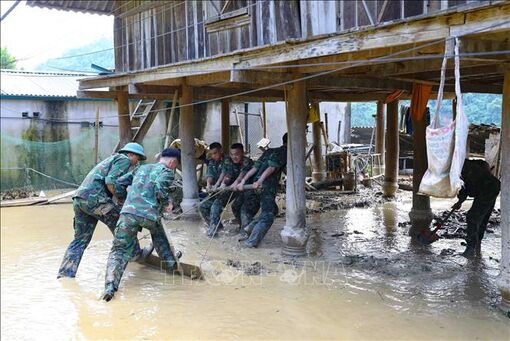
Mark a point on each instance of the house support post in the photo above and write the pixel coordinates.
(379, 138)
(390, 184)
(189, 175)
(504, 276)
(125, 131)
(294, 234)
(225, 125)
(421, 214)
(346, 124)
(318, 173)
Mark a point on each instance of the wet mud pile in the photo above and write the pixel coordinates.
(324, 201)
(455, 227)
(250, 269)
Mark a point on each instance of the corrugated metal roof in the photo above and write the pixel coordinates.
(39, 84)
(96, 7)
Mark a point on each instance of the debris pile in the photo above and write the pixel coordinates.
(18, 193)
(455, 226)
(253, 269)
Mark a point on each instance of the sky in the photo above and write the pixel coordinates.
(34, 34)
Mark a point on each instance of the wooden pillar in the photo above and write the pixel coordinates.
(264, 120)
(318, 173)
(125, 131)
(189, 175)
(504, 276)
(294, 234)
(379, 138)
(390, 185)
(225, 124)
(421, 214)
(346, 124)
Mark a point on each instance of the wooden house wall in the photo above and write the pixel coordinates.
(153, 33)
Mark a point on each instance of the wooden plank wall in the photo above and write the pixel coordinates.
(153, 33)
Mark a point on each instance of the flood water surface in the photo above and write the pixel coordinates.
(364, 280)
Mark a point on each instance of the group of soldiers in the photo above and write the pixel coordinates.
(104, 196)
(230, 175)
(154, 190)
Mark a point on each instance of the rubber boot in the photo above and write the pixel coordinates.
(470, 251)
(243, 235)
(108, 293)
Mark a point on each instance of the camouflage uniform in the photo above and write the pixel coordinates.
(232, 171)
(151, 191)
(92, 203)
(214, 172)
(484, 187)
(265, 199)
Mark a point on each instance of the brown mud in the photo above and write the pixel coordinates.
(364, 279)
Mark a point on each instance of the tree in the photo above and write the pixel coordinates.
(7, 61)
(79, 59)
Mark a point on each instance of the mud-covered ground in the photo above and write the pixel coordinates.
(364, 278)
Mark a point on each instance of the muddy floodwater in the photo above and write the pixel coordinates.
(365, 279)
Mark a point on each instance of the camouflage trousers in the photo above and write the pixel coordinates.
(249, 207)
(258, 228)
(205, 209)
(125, 242)
(219, 204)
(86, 217)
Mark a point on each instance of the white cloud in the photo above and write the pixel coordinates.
(34, 35)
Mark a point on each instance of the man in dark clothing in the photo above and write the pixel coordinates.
(266, 172)
(484, 187)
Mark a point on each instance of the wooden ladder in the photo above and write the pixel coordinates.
(141, 119)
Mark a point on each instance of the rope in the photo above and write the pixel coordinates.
(190, 209)
(43, 174)
(214, 232)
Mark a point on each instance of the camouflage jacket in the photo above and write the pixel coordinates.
(214, 169)
(273, 157)
(93, 188)
(232, 170)
(152, 189)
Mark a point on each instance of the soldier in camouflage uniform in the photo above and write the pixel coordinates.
(99, 198)
(266, 172)
(150, 195)
(213, 176)
(234, 169)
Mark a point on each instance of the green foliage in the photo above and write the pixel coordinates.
(479, 108)
(7, 61)
(82, 61)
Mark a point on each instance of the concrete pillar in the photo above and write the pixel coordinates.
(318, 173)
(421, 214)
(125, 132)
(504, 276)
(390, 185)
(379, 138)
(189, 175)
(294, 234)
(346, 124)
(225, 124)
